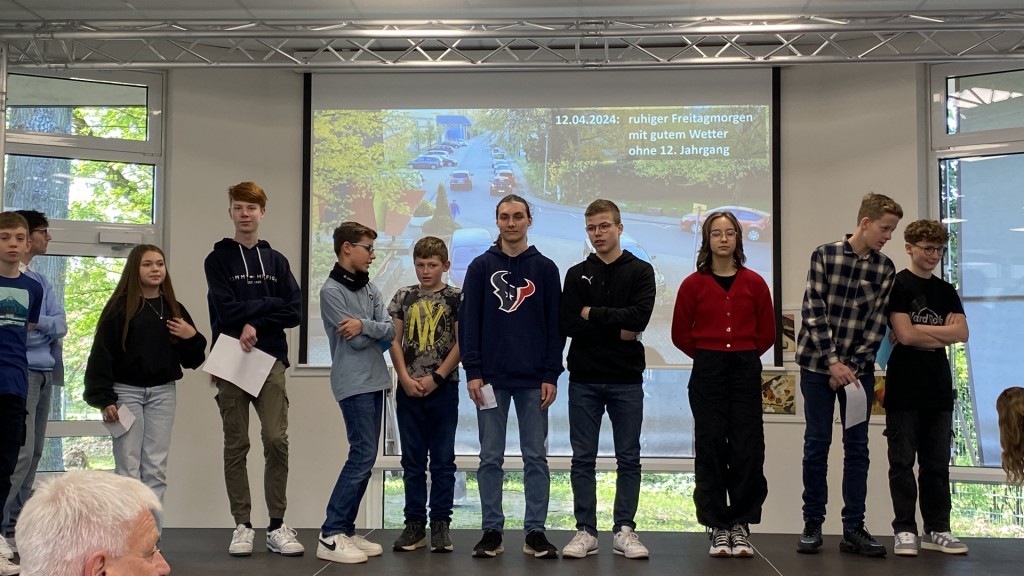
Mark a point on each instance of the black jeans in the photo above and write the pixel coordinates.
(928, 436)
(725, 398)
(12, 438)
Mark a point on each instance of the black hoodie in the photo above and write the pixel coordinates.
(621, 297)
(252, 286)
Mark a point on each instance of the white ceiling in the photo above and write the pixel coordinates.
(458, 9)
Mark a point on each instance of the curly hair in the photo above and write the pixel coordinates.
(1010, 407)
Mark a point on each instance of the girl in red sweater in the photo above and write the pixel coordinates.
(725, 321)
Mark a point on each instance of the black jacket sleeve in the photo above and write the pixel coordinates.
(570, 321)
(637, 314)
(99, 369)
(191, 352)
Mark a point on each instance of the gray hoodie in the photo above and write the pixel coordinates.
(357, 365)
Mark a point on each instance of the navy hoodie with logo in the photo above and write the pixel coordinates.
(252, 286)
(508, 320)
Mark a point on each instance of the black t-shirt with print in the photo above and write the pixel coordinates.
(916, 378)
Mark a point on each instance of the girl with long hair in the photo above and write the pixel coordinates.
(143, 339)
(1010, 408)
(724, 319)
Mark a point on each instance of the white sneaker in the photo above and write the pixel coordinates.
(905, 544)
(368, 548)
(627, 543)
(283, 542)
(583, 544)
(339, 548)
(739, 543)
(8, 568)
(943, 542)
(721, 547)
(5, 549)
(241, 541)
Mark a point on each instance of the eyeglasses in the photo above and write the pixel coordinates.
(719, 233)
(603, 227)
(43, 231)
(369, 247)
(931, 250)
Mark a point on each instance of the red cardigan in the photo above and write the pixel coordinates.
(709, 318)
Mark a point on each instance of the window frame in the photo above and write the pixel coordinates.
(152, 146)
(982, 140)
(75, 238)
(943, 147)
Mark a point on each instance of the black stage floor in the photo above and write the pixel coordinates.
(194, 552)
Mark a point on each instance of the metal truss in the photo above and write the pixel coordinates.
(517, 44)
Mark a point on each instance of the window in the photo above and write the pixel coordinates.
(983, 102)
(981, 205)
(86, 151)
(672, 492)
(81, 189)
(111, 111)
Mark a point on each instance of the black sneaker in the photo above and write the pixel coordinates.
(858, 541)
(440, 539)
(414, 536)
(538, 545)
(810, 538)
(489, 546)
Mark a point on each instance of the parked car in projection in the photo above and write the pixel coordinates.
(445, 157)
(467, 243)
(500, 186)
(460, 180)
(756, 223)
(431, 162)
(627, 242)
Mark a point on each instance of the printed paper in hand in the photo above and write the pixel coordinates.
(856, 404)
(247, 370)
(487, 391)
(125, 419)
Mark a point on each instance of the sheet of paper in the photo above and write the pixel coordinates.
(487, 391)
(125, 419)
(856, 404)
(247, 370)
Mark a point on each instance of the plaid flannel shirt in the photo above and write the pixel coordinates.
(844, 308)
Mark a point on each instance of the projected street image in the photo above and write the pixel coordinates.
(410, 173)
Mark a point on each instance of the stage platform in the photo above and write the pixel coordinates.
(203, 552)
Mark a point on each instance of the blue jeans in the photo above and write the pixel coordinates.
(362, 414)
(625, 405)
(40, 390)
(819, 409)
(533, 437)
(427, 428)
(141, 452)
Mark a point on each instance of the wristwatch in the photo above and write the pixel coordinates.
(438, 379)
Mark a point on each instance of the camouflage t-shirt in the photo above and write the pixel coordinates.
(428, 320)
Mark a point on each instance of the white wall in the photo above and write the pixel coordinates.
(847, 130)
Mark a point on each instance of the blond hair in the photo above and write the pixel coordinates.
(875, 206)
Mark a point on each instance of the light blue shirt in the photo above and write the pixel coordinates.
(44, 341)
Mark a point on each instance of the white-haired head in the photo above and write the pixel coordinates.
(74, 515)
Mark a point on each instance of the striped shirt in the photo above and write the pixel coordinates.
(843, 313)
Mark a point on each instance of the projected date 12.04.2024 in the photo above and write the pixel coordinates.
(578, 119)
